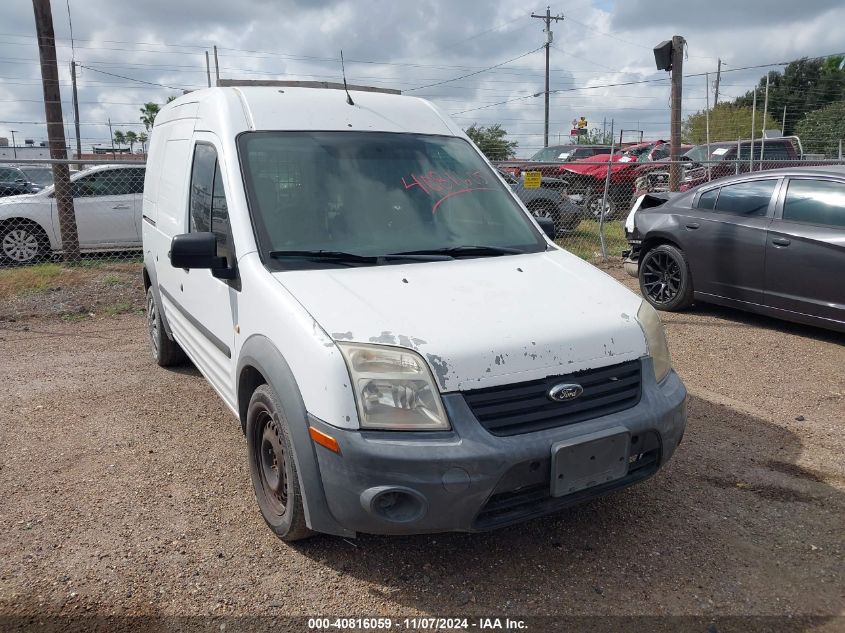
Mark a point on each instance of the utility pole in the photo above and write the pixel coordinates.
(678, 44)
(55, 126)
(207, 69)
(14, 147)
(111, 137)
(76, 112)
(216, 68)
(718, 79)
(548, 31)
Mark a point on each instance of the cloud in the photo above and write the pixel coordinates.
(405, 46)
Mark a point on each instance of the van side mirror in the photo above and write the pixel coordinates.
(198, 250)
(548, 226)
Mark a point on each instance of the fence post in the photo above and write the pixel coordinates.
(604, 197)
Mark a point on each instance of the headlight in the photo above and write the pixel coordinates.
(394, 388)
(655, 338)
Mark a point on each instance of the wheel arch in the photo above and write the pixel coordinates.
(23, 219)
(260, 362)
(653, 241)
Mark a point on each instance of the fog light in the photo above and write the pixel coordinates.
(398, 505)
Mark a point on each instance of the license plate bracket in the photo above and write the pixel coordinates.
(589, 460)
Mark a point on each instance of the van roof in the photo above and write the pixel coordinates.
(237, 109)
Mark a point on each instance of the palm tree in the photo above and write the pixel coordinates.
(131, 138)
(118, 138)
(142, 139)
(148, 115)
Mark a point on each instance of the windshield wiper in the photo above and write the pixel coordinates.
(327, 256)
(467, 251)
(341, 257)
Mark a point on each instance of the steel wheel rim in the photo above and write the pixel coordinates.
(661, 277)
(20, 245)
(152, 324)
(272, 464)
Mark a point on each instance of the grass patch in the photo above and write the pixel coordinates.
(117, 308)
(113, 280)
(586, 243)
(72, 317)
(37, 278)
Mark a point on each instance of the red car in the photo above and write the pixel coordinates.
(587, 176)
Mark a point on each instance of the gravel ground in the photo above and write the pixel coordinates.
(124, 489)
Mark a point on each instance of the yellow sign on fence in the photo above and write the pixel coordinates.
(532, 179)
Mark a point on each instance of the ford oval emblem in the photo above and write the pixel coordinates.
(565, 392)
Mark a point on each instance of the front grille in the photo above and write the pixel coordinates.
(533, 500)
(525, 407)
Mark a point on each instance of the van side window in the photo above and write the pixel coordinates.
(207, 206)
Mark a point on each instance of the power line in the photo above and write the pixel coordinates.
(149, 83)
(477, 72)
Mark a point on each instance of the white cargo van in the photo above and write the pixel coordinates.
(405, 349)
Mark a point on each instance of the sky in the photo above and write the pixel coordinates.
(436, 49)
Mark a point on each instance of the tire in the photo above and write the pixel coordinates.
(548, 210)
(272, 467)
(593, 207)
(166, 352)
(23, 242)
(665, 278)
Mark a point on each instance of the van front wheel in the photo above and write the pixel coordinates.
(272, 466)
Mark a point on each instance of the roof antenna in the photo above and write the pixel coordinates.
(343, 68)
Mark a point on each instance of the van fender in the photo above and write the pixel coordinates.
(261, 354)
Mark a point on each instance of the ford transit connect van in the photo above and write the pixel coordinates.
(405, 349)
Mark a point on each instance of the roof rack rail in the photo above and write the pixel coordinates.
(229, 83)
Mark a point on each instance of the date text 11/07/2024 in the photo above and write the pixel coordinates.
(418, 624)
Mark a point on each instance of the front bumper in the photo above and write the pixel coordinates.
(469, 480)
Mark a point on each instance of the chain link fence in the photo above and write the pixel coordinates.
(92, 212)
(589, 201)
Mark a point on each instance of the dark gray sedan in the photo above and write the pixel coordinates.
(772, 242)
(549, 200)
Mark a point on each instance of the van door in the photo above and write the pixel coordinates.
(203, 319)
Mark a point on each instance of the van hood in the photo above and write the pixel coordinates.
(480, 322)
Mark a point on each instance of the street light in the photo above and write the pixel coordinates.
(14, 149)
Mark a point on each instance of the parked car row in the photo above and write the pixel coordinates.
(704, 163)
(107, 203)
(22, 179)
(771, 242)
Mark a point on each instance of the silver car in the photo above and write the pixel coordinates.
(107, 200)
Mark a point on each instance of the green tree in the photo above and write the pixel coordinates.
(118, 138)
(131, 139)
(822, 130)
(492, 141)
(148, 115)
(142, 139)
(728, 122)
(803, 86)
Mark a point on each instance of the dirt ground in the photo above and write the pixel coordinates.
(124, 489)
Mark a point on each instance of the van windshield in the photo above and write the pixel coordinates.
(373, 194)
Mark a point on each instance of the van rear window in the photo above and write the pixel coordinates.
(373, 193)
